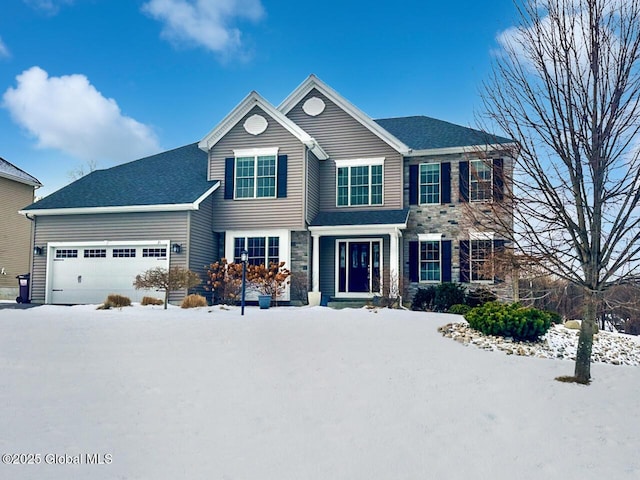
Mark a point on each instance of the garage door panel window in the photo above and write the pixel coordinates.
(95, 253)
(68, 253)
(154, 252)
(124, 252)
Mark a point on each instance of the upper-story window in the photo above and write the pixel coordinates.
(255, 173)
(480, 180)
(429, 183)
(360, 182)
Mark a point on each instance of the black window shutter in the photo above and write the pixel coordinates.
(464, 181)
(446, 260)
(464, 261)
(445, 182)
(498, 179)
(413, 184)
(282, 176)
(229, 165)
(498, 248)
(414, 260)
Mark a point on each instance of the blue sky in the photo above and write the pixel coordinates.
(114, 80)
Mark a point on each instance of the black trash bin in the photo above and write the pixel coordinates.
(23, 284)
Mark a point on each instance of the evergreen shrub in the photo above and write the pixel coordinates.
(480, 296)
(509, 320)
(448, 294)
(423, 299)
(459, 309)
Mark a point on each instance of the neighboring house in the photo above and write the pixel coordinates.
(354, 207)
(16, 190)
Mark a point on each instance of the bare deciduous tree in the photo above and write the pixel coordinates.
(175, 278)
(566, 87)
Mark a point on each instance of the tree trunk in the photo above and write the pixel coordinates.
(585, 340)
(166, 297)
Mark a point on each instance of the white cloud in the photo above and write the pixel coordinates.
(47, 6)
(67, 113)
(206, 23)
(4, 50)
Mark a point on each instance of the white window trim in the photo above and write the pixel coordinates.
(485, 161)
(429, 237)
(255, 153)
(480, 236)
(439, 183)
(360, 162)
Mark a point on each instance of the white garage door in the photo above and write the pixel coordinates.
(88, 273)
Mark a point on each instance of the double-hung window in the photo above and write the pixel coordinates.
(359, 182)
(430, 255)
(481, 260)
(480, 180)
(255, 173)
(429, 183)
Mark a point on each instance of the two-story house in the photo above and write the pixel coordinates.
(354, 207)
(17, 189)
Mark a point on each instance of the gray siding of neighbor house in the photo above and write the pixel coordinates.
(15, 235)
(344, 138)
(202, 248)
(262, 212)
(109, 226)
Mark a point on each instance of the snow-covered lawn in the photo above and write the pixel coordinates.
(297, 393)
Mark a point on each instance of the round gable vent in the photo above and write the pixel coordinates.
(313, 106)
(255, 124)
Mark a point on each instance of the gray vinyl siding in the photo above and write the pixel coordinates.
(263, 212)
(113, 227)
(344, 138)
(202, 248)
(313, 186)
(328, 266)
(15, 234)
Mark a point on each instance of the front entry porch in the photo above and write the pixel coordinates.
(357, 255)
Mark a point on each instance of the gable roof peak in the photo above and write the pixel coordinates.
(251, 100)
(312, 81)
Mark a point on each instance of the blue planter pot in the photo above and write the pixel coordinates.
(264, 301)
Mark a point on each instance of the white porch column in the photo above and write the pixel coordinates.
(315, 263)
(394, 264)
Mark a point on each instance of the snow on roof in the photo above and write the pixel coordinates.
(10, 171)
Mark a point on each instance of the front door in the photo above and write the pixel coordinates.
(359, 267)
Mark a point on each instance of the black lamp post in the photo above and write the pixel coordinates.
(244, 256)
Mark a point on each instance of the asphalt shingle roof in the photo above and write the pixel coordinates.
(9, 170)
(361, 217)
(178, 176)
(425, 133)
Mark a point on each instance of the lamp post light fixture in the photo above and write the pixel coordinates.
(244, 257)
(176, 248)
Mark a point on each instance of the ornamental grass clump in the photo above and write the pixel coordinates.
(509, 320)
(194, 300)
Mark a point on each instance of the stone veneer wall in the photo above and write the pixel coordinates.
(454, 220)
(300, 266)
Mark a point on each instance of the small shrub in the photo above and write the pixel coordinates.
(448, 294)
(194, 300)
(151, 301)
(556, 318)
(480, 296)
(509, 320)
(423, 299)
(459, 309)
(225, 281)
(118, 301)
